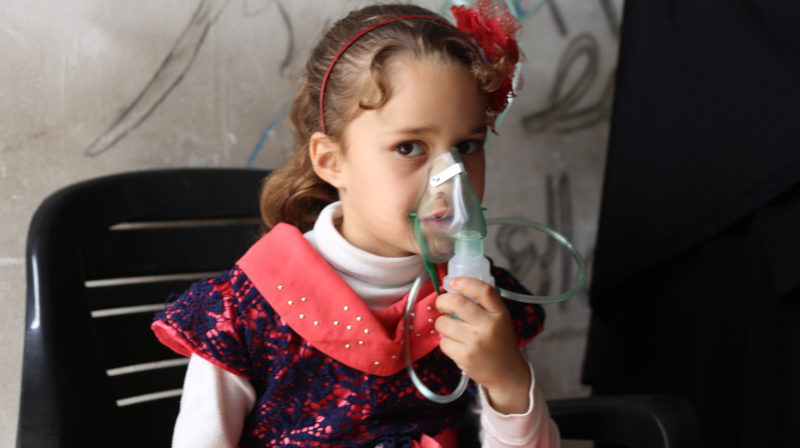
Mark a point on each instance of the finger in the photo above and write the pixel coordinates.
(456, 330)
(479, 290)
(461, 306)
(452, 349)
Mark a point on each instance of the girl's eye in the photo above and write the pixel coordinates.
(409, 149)
(470, 147)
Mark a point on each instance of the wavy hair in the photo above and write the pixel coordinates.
(295, 194)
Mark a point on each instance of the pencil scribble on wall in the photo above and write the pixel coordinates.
(251, 10)
(168, 75)
(24, 140)
(611, 16)
(267, 133)
(283, 112)
(562, 114)
(558, 18)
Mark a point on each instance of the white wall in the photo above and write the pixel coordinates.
(87, 89)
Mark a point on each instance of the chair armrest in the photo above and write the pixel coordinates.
(657, 421)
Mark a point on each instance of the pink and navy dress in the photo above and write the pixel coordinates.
(327, 370)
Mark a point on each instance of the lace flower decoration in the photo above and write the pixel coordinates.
(492, 26)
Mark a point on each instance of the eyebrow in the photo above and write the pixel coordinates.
(482, 129)
(426, 129)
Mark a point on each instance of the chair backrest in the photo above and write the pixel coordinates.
(102, 257)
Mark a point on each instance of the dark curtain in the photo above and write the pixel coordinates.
(696, 282)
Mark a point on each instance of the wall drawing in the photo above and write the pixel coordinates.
(165, 79)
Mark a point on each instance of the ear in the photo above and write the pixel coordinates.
(326, 158)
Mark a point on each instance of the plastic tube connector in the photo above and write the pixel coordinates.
(468, 260)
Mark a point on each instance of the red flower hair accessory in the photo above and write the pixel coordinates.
(492, 26)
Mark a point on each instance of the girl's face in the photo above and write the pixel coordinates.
(432, 106)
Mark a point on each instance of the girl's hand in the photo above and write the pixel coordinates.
(483, 343)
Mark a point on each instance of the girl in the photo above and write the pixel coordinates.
(300, 344)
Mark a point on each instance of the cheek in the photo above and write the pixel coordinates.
(478, 185)
(407, 187)
(477, 175)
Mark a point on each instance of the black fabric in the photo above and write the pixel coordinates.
(705, 127)
(696, 282)
(711, 325)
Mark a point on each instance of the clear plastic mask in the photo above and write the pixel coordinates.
(448, 210)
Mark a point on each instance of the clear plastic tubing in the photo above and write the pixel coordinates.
(527, 298)
(421, 387)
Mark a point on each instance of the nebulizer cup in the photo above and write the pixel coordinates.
(449, 225)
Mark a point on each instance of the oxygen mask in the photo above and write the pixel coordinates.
(448, 219)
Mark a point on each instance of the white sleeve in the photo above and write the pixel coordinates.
(532, 429)
(214, 405)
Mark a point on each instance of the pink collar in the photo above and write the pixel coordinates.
(318, 305)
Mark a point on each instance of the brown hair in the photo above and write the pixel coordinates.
(295, 194)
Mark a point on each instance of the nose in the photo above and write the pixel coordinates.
(440, 206)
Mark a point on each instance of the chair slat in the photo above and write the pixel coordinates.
(140, 383)
(127, 339)
(114, 296)
(143, 252)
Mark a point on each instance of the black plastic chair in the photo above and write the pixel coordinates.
(658, 421)
(104, 254)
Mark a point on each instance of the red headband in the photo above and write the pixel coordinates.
(347, 45)
(492, 28)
